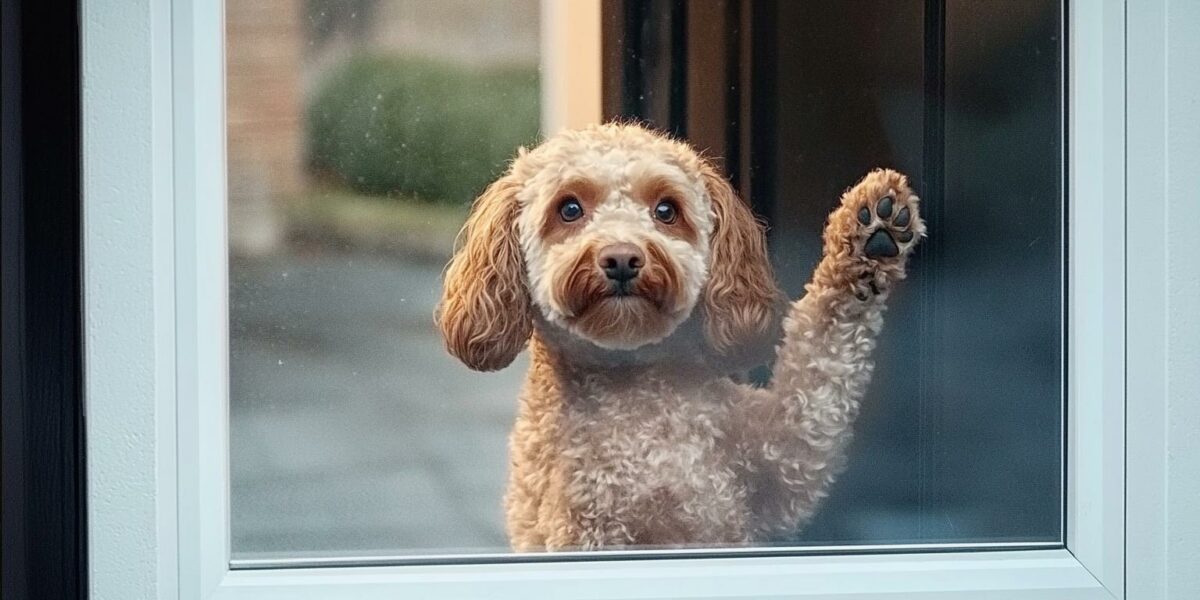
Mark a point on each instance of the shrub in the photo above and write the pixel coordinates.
(437, 131)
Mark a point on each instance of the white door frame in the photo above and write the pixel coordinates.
(156, 345)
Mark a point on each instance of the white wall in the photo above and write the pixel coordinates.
(1163, 132)
(129, 321)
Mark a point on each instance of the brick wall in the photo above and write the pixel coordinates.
(264, 43)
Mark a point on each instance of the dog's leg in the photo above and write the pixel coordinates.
(794, 433)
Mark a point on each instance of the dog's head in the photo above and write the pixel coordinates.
(615, 235)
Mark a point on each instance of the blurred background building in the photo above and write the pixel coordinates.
(264, 110)
(281, 57)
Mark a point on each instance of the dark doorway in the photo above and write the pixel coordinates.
(961, 436)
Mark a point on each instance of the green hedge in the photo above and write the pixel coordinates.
(436, 131)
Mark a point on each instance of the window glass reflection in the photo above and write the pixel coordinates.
(360, 131)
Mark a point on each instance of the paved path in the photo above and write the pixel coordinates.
(352, 429)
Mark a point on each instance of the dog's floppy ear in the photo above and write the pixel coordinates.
(741, 300)
(484, 314)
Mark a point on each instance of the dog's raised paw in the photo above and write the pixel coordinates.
(885, 209)
(870, 235)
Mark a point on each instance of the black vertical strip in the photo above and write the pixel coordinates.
(613, 39)
(1065, 133)
(932, 197)
(733, 106)
(42, 502)
(935, 97)
(678, 78)
(14, 570)
(762, 158)
(653, 74)
(633, 80)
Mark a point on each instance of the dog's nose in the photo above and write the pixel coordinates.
(621, 262)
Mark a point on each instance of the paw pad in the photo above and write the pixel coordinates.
(884, 208)
(892, 227)
(881, 244)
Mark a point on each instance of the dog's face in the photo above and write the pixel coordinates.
(614, 234)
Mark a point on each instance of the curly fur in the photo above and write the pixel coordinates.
(628, 430)
(484, 312)
(741, 299)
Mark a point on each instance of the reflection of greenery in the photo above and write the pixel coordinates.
(431, 130)
(417, 230)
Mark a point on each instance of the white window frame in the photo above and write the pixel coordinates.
(156, 350)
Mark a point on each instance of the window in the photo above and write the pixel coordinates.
(165, 429)
(360, 132)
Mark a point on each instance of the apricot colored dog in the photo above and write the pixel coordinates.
(640, 282)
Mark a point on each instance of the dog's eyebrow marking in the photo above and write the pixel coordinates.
(654, 188)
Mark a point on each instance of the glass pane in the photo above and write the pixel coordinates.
(960, 436)
(360, 132)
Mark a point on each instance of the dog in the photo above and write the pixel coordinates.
(639, 282)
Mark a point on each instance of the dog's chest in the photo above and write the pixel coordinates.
(653, 460)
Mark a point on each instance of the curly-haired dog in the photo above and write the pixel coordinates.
(638, 280)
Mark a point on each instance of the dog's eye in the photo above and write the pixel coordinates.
(570, 210)
(666, 212)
